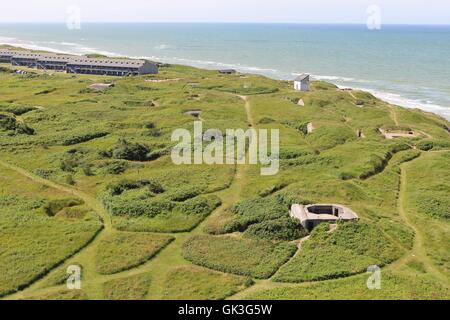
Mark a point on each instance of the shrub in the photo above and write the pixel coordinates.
(202, 205)
(184, 193)
(122, 251)
(116, 167)
(76, 139)
(266, 120)
(248, 257)
(283, 229)
(348, 250)
(271, 190)
(425, 145)
(255, 210)
(52, 207)
(7, 122)
(70, 180)
(130, 151)
(17, 110)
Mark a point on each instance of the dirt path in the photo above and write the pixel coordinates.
(393, 115)
(85, 256)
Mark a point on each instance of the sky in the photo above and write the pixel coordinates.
(268, 11)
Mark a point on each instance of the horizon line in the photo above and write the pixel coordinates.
(225, 22)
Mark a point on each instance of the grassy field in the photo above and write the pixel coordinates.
(123, 251)
(193, 283)
(129, 288)
(87, 179)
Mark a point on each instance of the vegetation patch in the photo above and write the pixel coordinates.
(60, 294)
(52, 207)
(39, 245)
(349, 250)
(194, 283)
(267, 218)
(122, 251)
(395, 286)
(128, 288)
(148, 203)
(247, 257)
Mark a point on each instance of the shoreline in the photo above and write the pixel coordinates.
(388, 97)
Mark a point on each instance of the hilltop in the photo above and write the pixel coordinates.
(87, 179)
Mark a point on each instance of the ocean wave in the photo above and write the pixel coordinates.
(392, 98)
(397, 99)
(164, 47)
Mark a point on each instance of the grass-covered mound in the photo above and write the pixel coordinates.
(122, 251)
(431, 195)
(351, 249)
(256, 258)
(128, 288)
(41, 242)
(146, 205)
(394, 286)
(59, 294)
(194, 283)
(266, 218)
(427, 203)
(59, 276)
(10, 125)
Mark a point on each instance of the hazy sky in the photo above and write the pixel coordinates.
(294, 11)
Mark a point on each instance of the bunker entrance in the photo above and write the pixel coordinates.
(331, 210)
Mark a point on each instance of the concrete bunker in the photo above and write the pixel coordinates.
(312, 215)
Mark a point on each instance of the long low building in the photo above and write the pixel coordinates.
(78, 64)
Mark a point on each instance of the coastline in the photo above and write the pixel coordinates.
(388, 97)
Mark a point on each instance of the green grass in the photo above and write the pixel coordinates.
(194, 283)
(351, 249)
(41, 242)
(122, 251)
(56, 128)
(394, 286)
(59, 294)
(256, 258)
(128, 288)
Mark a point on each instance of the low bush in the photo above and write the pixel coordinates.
(52, 207)
(194, 283)
(127, 288)
(123, 250)
(348, 250)
(130, 151)
(80, 138)
(283, 229)
(248, 257)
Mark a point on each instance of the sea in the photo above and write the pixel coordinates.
(406, 65)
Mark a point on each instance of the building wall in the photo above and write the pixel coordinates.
(148, 68)
(301, 85)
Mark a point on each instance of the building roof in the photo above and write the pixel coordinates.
(227, 71)
(302, 77)
(75, 60)
(108, 62)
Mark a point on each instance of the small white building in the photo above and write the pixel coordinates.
(301, 83)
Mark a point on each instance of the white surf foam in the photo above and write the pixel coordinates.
(79, 49)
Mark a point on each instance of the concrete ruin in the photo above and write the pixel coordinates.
(394, 134)
(312, 215)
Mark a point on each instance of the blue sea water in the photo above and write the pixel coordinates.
(405, 65)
